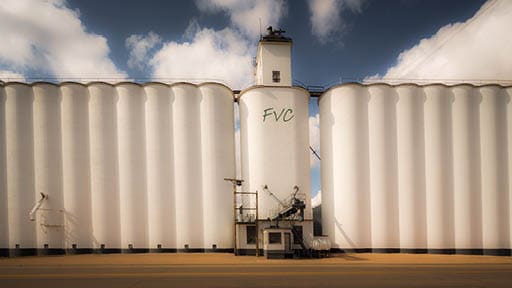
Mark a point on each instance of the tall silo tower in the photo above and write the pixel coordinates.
(275, 144)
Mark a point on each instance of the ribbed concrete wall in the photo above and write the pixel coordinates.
(123, 165)
(430, 164)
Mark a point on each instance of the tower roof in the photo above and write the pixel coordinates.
(275, 35)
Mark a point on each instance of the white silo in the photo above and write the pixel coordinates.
(345, 162)
(411, 167)
(274, 144)
(131, 144)
(160, 166)
(508, 92)
(104, 166)
(274, 137)
(493, 141)
(466, 168)
(187, 166)
(4, 205)
(48, 164)
(383, 167)
(76, 178)
(19, 144)
(438, 167)
(218, 162)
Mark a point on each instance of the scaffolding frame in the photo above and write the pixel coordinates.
(237, 223)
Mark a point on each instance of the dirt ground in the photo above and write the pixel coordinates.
(225, 258)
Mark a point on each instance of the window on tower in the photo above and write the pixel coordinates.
(276, 76)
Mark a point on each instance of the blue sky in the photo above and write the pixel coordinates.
(334, 40)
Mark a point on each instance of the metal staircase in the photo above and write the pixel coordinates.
(290, 211)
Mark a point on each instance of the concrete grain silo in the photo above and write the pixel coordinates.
(274, 145)
(436, 176)
(128, 167)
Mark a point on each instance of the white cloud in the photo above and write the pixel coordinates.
(245, 15)
(326, 19)
(48, 37)
(222, 56)
(6, 75)
(479, 48)
(314, 139)
(317, 200)
(139, 46)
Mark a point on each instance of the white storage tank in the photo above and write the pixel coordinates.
(218, 162)
(132, 165)
(48, 165)
(20, 177)
(411, 167)
(466, 168)
(4, 206)
(188, 166)
(383, 167)
(439, 168)
(494, 165)
(274, 145)
(76, 185)
(345, 166)
(508, 93)
(160, 166)
(104, 166)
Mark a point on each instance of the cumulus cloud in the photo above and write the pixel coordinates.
(326, 19)
(314, 139)
(139, 46)
(317, 200)
(245, 15)
(49, 38)
(477, 50)
(6, 75)
(211, 55)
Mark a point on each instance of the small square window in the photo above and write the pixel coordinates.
(276, 76)
(251, 234)
(274, 238)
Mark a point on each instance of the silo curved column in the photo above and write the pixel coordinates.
(104, 166)
(218, 162)
(48, 165)
(344, 111)
(466, 169)
(75, 164)
(160, 166)
(20, 177)
(132, 165)
(493, 141)
(439, 168)
(411, 168)
(383, 167)
(4, 205)
(508, 92)
(187, 166)
(275, 145)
